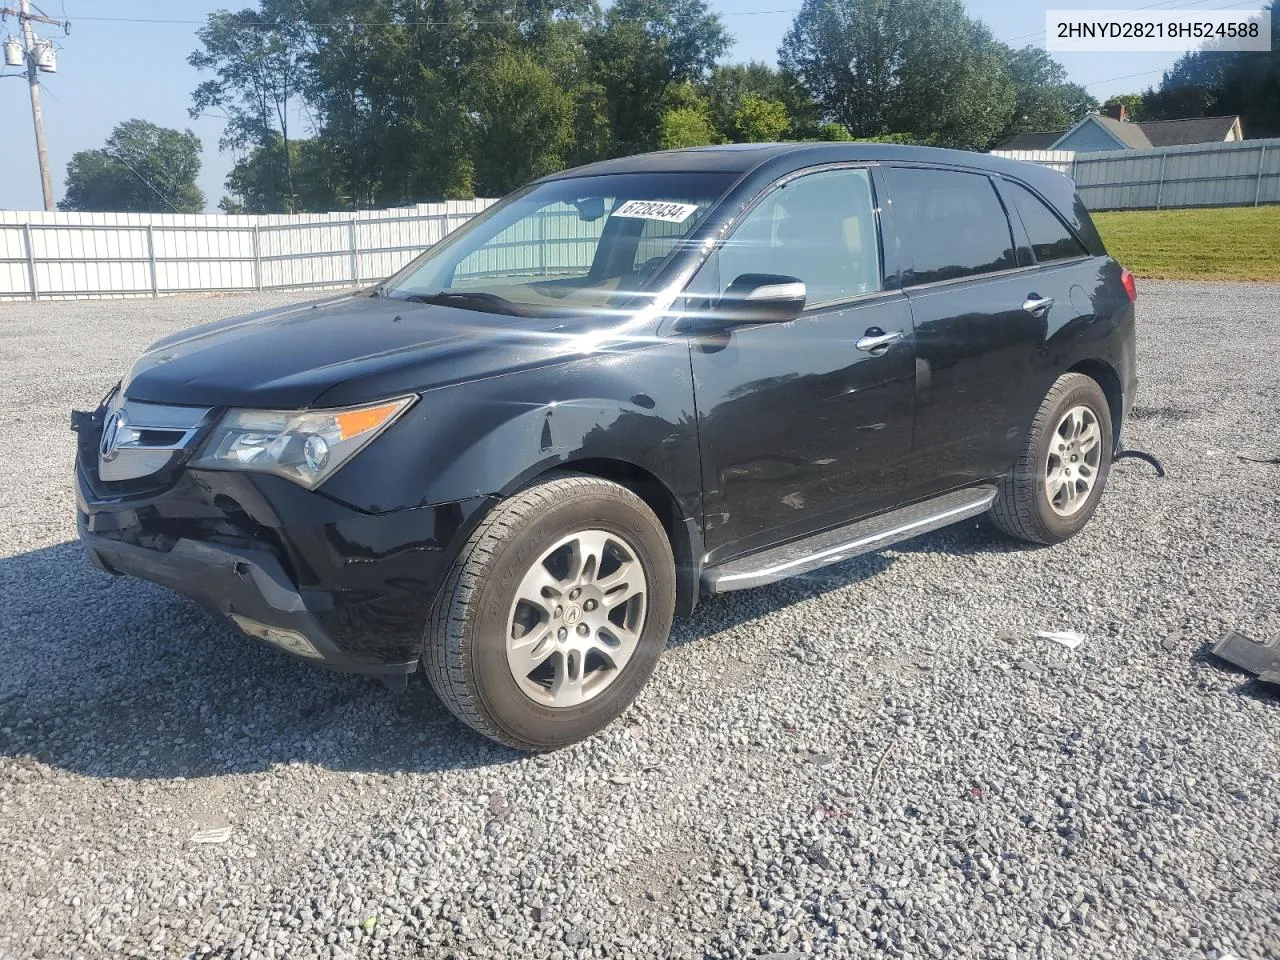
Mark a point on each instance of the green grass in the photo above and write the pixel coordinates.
(1221, 243)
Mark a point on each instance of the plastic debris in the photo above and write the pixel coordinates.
(212, 835)
(1260, 658)
(1068, 638)
(1140, 455)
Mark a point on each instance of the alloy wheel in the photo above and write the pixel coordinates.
(577, 617)
(1072, 464)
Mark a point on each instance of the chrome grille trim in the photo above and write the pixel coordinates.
(139, 439)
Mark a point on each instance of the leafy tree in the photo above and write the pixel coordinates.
(256, 59)
(517, 101)
(685, 127)
(640, 50)
(728, 84)
(1211, 82)
(921, 67)
(686, 121)
(256, 183)
(834, 133)
(1043, 98)
(142, 168)
(758, 120)
(1134, 105)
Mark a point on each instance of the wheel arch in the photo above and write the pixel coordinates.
(1105, 376)
(682, 532)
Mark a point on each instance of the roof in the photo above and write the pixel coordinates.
(1135, 135)
(745, 157)
(1130, 134)
(1039, 140)
(1174, 133)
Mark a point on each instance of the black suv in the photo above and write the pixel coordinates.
(622, 387)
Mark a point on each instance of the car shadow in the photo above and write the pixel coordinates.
(115, 677)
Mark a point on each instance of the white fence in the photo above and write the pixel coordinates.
(81, 255)
(1243, 173)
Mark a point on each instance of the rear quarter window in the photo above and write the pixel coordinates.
(1049, 236)
(951, 224)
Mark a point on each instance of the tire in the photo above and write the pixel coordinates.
(1024, 507)
(476, 646)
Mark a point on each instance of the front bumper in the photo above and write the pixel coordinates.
(347, 589)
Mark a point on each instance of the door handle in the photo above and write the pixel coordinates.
(1037, 305)
(876, 340)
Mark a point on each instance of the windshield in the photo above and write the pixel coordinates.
(565, 245)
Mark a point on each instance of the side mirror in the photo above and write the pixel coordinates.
(761, 298)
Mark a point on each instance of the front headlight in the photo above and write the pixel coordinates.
(303, 446)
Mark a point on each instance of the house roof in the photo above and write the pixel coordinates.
(1135, 136)
(1040, 140)
(1174, 133)
(1130, 134)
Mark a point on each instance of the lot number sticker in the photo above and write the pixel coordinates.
(656, 210)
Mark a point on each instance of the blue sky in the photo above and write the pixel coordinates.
(110, 70)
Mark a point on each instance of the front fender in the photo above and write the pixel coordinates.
(489, 436)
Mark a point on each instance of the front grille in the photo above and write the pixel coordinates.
(142, 439)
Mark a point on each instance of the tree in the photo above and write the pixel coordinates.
(758, 120)
(640, 50)
(142, 168)
(256, 183)
(686, 121)
(1134, 104)
(920, 67)
(1043, 99)
(729, 84)
(517, 101)
(1213, 82)
(834, 133)
(256, 59)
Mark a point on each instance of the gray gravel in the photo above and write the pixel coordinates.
(876, 760)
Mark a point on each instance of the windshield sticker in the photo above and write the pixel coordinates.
(656, 210)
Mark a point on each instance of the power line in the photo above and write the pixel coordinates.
(382, 23)
(149, 185)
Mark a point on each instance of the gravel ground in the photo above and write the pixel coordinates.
(876, 760)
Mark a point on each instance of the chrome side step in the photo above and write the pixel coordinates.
(832, 546)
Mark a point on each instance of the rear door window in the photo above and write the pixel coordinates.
(951, 224)
(1049, 236)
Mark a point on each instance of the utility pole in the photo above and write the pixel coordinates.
(29, 47)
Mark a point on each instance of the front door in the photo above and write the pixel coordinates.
(801, 428)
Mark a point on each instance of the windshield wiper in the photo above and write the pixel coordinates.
(488, 302)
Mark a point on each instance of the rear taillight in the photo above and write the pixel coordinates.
(1131, 288)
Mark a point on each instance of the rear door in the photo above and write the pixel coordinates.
(800, 428)
(981, 312)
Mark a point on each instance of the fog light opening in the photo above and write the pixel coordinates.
(289, 640)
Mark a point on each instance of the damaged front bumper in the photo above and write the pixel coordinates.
(320, 579)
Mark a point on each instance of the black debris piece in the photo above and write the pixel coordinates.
(1261, 658)
(1140, 455)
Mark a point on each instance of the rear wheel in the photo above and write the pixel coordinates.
(554, 614)
(1057, 482)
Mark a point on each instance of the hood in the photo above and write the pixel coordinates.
(352, 349)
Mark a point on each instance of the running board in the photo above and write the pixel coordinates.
(832, 546)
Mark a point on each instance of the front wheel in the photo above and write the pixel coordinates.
(1057, 482)
(555, 613)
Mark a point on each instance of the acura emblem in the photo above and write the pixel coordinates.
(115, 425)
